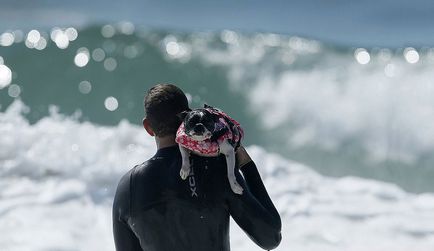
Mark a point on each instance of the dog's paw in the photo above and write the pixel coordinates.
(236, 188)
(184, 172)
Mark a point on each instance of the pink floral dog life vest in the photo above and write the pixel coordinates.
(210, 147)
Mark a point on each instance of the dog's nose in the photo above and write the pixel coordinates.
(199, 128)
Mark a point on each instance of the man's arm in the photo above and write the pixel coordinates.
(254, 211)
(125, 239)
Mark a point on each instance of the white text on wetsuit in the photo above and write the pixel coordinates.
(192, 183)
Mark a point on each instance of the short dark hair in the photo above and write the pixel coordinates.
(163, 103)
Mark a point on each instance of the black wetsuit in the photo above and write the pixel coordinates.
(155, 210)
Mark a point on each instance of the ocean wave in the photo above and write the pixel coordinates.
(58, 178)
(317, 94)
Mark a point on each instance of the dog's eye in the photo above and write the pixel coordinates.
(193, 121)
(209, 124)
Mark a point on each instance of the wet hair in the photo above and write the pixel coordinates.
(163, 103)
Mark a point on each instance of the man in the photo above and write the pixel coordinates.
(155, 210)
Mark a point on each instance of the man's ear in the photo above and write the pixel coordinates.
(147, 127)
(183, 114)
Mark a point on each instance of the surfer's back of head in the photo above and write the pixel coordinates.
(163, 102)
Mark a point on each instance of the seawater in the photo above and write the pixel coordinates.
(366, 112)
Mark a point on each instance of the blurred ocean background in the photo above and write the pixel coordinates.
(336, 99)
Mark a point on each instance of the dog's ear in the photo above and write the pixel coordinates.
(207, 106)
(183, 114)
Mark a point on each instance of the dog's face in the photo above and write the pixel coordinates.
(199, 124)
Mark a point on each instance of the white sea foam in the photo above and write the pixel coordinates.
(391, 118)
(58, 176)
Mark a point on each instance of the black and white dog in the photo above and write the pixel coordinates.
(209, 132)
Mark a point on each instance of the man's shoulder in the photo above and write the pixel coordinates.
(150, 171)
(125, 181)
(137, 170)
(139, 174)
(148, 168)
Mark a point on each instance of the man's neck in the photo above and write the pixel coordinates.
(165, 141)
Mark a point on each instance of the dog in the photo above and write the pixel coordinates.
(209, 132)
